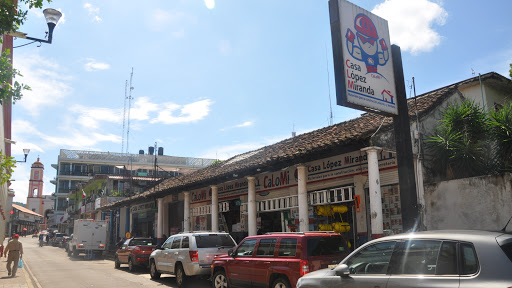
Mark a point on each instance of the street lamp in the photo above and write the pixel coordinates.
(25, 151)
(52, 17)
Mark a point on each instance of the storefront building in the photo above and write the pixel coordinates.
(319, 180)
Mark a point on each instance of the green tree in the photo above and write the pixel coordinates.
(459, 146)
(510, 70)
(11, 18)
(7, 165)
(501, 131)
(9, 91)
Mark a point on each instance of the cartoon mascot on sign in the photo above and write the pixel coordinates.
(367, 38)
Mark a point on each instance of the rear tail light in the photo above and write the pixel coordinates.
(193, 256)
(102, 246)
(304, 267)
(136, 250)
(80, 245)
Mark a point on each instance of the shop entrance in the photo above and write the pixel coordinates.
(270, 222)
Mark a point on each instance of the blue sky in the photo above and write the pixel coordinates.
(217, 78)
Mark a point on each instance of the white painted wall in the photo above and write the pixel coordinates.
(471, 203)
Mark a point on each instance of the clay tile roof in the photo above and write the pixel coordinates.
(306, 146)
(25, 210)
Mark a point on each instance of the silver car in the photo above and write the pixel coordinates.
(189, 254)
(448, 258)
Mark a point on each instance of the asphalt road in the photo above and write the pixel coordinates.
(52, 268)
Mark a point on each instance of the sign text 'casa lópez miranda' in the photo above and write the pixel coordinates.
(367, 71)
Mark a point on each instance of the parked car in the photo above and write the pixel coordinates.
(424, 259)
(277, 259)
(57, 239)
(189, 254)
(134, 252)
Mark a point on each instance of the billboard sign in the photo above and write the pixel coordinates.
(362, 59)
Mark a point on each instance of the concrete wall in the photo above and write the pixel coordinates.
(473, 203)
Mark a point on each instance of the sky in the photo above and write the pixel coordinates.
(216, 78)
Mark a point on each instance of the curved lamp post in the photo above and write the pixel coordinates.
(52, 17)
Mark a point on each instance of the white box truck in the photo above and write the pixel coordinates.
(89, 237)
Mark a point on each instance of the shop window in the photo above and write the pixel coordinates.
(373, 259)
(266, 247)
(246, 248)
(288, 247)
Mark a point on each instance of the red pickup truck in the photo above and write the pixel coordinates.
(134, 252)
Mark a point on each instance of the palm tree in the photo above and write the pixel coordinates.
(501, 131)
(459, 146)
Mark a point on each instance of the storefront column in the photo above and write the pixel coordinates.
(160, 222)
(375, 192)
(303, 198)
(362, 228)
(186, 211)
(251, 206)
(215, 209)
(128, 220)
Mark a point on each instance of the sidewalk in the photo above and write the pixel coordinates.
(23, 277)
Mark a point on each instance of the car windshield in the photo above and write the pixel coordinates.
(320, 246)
(214, 240)
(137, 242)
(58, 235)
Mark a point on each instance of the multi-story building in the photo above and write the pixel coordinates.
(75, 166)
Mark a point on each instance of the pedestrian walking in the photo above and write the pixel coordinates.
(15, 249)
(41, 239)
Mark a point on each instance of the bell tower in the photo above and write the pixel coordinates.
(35, 188)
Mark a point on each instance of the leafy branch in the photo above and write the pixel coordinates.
(7, 165)
(8, 91)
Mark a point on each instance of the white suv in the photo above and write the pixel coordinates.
(189, 254)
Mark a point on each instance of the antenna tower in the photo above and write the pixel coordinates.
(124, 113)
(129, 108)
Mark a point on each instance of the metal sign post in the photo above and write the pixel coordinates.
(369, 77)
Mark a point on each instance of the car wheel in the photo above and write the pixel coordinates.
(131, 265)
(153, 272)
(181, 277)
(220, 280)
(281, 283)
(117, 264)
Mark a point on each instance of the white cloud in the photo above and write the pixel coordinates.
(142, 108)
(93, 11)
(187, 113)
(411, 23)
(48, 86)
(91, 117)
(74, 138)
(245, 124)
(172, 22)
(210, 4)
(225, 47)
(93, 65)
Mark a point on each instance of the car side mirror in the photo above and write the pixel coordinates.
(159, 247)
(342, 270)
(231, 253)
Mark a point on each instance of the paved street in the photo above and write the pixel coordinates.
(50, 267)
